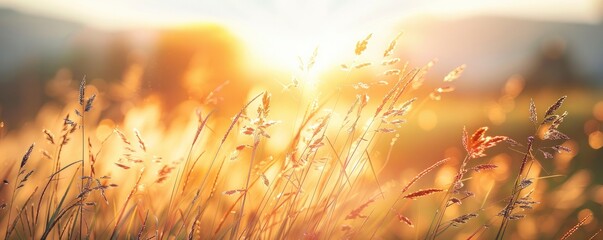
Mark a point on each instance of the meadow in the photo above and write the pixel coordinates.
(349, 161)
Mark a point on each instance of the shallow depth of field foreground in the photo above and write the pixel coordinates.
(193, 136)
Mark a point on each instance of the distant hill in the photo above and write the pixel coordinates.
(495, 48)
(172, 65)
(27, 38)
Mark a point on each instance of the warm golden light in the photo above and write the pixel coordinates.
(299, 120)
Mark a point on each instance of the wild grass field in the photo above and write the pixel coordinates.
(351, 161)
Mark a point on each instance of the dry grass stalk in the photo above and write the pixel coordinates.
(595, 235)
(123, 209)
(575, 227)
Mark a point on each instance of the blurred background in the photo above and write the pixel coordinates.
(181, 54)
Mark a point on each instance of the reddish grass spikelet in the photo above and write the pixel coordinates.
(422, 173)
(264, 109)
(484, 167)
(248, 131)
(553, 134)
(405, 219)
(91, 158)
(422, 193)
(49, 136)
(346, 227)
(122, 136)
(454, 201)
(395, 92)
(265, 180)
(364, 98)
(561, 148)
(408, 104)
(555, 106)
(477, 144)
(231, 192)
(317, 128)
(163, 173)
(317, 143)
(122, 166)
(492, 141)
(46, 154)
(357, 212)
(463, 219)
(141, 143)
(478, 134)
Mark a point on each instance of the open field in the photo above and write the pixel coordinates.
(377, 148)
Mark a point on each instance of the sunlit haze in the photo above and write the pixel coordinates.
(315, 119)
(283, 30)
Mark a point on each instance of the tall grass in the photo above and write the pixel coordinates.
(218, 178)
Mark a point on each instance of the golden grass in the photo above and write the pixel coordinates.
(211, 177)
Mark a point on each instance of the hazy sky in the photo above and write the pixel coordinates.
(282, 29)
(127, 13)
